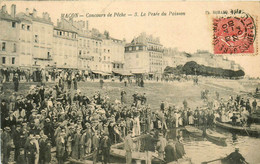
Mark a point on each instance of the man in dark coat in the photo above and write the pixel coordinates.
(4, 111)
(95, 147)
(42, 147)
(6, 144)
(235, 157)
(180, 152)
(105, 147)
(60, 147)
(17, 141)
(47, 153)
(21, 157)
(170, 154)
(75, 144)
(31, 151)
(16, 82)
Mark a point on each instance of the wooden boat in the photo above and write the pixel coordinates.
(253, 131)
(141, 156)
(254, 117)
(194, 131)
(216, 137)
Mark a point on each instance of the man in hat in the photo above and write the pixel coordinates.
(235, 157)
(180, 152)
(47, 153)
(75, 144)
(42, 149)
(60, 147)
(170, 154)
(95, 147)
(21, 157)
(88, 138)
(128, 147)
(105, 147)
(17, 141)
(16, 82)
(161, 145)
(6, 144)
(82, 147)
(31, 151)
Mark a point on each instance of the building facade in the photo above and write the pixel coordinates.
(8, 38)
(144, 55)
(64, 48)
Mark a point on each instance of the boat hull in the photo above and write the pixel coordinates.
(194, 131)
(216, 137)
(238, 129)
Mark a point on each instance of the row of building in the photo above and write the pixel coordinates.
(31, 41)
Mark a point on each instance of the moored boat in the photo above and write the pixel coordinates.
(216, 137)
(141, 156)
(194, 131)
(240, 129)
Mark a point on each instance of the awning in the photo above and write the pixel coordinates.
(122, 72)
(101, 72)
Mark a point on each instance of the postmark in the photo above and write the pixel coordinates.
(234, 35)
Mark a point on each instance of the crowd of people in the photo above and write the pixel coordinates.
(76, 125)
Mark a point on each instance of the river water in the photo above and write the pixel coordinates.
(203, 150)
(200, 150)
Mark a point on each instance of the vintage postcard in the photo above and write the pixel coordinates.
(129, 82)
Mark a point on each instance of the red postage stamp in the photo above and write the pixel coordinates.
(234, 35)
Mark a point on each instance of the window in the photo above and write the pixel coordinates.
(13, 24)
(36, 39)
(3, 60)
(104, 50)
(117, 65)
(108, 58)
(14, 48)
(104, 57)
(114, 65)
(137, 56)
(23, 26)
(79, 52)
(13, 60)
(108, 51)
(3, 46)
(28, 28)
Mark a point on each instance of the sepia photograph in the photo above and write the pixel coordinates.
(125, 81)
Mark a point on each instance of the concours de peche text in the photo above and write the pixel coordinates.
(122, 14)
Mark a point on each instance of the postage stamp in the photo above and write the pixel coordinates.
(234, 35)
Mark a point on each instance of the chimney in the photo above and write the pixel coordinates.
(4, 9)
(58, 22)
(44, 15)
(34, 13)
(27, 11)
(13, 10)
(87, 25)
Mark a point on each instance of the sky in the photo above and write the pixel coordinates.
(187, 33)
